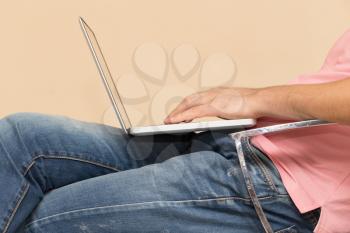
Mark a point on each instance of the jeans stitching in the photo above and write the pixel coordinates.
(33, 161)
(266, 172)
(153, 202)
(263, 168)
(287, 228)
(23, 193)
(31, 164)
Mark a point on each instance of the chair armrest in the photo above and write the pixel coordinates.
(238, 137)
(279, 128)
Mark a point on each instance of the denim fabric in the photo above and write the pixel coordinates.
(60, 175)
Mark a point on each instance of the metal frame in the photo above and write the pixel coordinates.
(239, 137)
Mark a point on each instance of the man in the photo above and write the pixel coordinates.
(61, 175)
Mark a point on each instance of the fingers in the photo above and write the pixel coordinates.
(191, 101)
(188, 102)
(191, 114)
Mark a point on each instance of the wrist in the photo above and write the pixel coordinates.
(278, 102)
(262, 102)
(254, 104)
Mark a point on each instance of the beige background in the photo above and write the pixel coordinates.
(45, 65)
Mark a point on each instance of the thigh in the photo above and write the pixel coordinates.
(197, 192)
(40, 152)
(66, 150)
(188, 193)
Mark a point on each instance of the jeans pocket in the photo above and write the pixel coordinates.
(291, 229)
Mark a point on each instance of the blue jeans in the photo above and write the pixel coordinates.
(60, 175)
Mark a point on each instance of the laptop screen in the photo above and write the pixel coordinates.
(106, 76)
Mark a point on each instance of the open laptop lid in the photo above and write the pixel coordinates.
(106, 76)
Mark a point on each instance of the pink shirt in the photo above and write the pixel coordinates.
(314, 163)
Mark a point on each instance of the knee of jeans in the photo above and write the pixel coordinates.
(22, 122)
(26, 117)
(22, 129)
(14, 131)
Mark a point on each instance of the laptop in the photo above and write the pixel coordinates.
(120, 110)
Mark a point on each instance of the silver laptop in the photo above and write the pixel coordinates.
(120, 109)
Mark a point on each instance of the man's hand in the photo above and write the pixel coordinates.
(326, 101)
(227, 103)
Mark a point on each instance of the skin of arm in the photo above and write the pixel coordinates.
(326, 101)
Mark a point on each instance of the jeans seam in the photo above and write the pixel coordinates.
(23, 193)
(33, 161)
(263, 168)
(266, 173)
(279, 231)
(152, 202)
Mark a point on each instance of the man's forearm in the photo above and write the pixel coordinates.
(329, 101)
